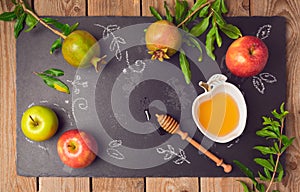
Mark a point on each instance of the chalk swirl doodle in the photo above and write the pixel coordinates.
(137, 67)
(257, 81)
(264, 31)
(113, 152)
(170, 153)
(82, 104)
(116, 41)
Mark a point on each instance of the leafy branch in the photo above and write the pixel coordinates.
(24, 15)
(273, 169)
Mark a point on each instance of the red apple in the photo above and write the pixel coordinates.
(247, 56)
(76, 148)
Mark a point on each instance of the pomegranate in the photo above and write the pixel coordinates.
(163, 39)
(80, 49)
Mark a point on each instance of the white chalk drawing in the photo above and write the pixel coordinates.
(229, 146)
(44, 101)
(82, 103)
(116, 41)
(30, 105)
(39, 146)
(138, 66)
(113, 152)
(76, 83)
(170, 153)
(67, 101)
(263, 77)
(264, 31)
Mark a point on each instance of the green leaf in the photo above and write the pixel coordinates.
(201, 27)
(216, 5)
(266, 133)
(155, 13)
(264, 163)
(197, 5)
(74, 27)
(223, 7)
(54, 22)
(276, 115)
(210, 41)
(265, 150)
(31, 22)
(198, 46)
(66, 29)
(231, 31)
(276, 147)
(185, 67)
(260, 187)
(168, 14)
(245, 187)
(246, 171)
(280, 176)
(54, 72)
(56, 45)
(261, 177)
(287, 144)
(271, 160)
(8, 16)
(219, 19)
(204, 11)
(19, 11)
(19, 25)
(181, 8)
(218, 38)
(282, 110)
(14, 2)
(54, 83)
(268, 174)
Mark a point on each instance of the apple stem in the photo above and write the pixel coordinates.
(35, 123)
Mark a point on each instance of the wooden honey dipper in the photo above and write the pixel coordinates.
(170, 125)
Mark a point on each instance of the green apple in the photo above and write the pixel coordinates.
(39, 123)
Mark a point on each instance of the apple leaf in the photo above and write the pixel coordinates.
(181, 8)
(210, 41)
(231, 31)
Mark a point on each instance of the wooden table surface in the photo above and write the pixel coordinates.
(11, 182)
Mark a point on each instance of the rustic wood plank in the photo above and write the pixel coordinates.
(62, 8)
(118, 184)
(9, 180)
(114, 7)
(236, 8)
(181, 184)
(159, 5)
(57, 184)
(290, 10)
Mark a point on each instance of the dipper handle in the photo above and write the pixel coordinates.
(219, 162)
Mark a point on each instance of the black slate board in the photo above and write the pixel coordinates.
(111, 104)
